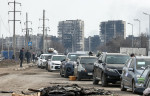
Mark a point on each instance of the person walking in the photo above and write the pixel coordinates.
(33, 57)
(28, 56)
(21, 56)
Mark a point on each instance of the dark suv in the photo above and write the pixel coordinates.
(67, 65)
(108, 68)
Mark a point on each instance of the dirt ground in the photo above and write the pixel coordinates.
(36, 78)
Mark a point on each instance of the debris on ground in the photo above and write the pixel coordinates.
(71, 90)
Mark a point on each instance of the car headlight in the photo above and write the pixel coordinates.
(111, 70)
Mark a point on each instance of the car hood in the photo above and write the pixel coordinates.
(115, 66)
(56, 62)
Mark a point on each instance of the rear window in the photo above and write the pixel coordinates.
(87, 60)
(142, 63)
(116, 59)
(73, 57)
(58, 58)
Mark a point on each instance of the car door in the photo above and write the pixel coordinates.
(125, 72)
(130, 73)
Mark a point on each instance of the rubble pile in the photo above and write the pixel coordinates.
(72, 90)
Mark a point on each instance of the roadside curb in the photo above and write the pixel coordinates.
(24, 67)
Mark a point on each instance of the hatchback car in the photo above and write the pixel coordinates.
(84, 67)
(134, 73)
(108, 68)
(42, 60)
(54, 62)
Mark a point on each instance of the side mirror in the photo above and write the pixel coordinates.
(130, 69)
(100, 61)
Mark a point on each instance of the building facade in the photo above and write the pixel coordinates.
(112, 29)
(72, 34)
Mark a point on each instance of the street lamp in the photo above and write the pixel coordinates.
(139, 29)
(132, 35)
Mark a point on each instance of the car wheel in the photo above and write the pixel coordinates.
(122, 86)
(78, 76)
(103, 80)
(95, 82)
(133, 86)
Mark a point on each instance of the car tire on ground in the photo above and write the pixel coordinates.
(103, 80)
(95, 81)
(78, 76)
(122, 86)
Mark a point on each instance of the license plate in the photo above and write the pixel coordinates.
(90, 74)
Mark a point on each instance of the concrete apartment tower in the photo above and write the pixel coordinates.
(71, 33)
(112, 29)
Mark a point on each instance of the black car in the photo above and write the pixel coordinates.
(108, 68)
(67, 65)
(84, 67)
(134, 73)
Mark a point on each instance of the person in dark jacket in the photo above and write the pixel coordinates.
(21, 56)
(28, 56)
(33, 57)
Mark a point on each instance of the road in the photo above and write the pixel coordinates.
(36, 78)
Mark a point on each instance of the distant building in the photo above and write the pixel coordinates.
(72, 34)
(92, 43)
(112, 29)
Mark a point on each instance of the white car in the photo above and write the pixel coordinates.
(55, 61)
(42, 60)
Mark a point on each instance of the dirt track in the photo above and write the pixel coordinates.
(33, 77)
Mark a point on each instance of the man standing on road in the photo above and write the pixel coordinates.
(28, 56)
(21, 56)
(33, 57)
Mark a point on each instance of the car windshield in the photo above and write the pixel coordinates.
(116, 59)
(73, 57)
(48, 57)
(87, 60)
(58, 58)
(142, 63)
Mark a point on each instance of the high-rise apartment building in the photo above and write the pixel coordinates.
(112, 29)
(72, 34)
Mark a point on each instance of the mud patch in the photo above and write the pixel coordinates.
(3, 74)
(29, 73)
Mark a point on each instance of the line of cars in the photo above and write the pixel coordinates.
(132, 73)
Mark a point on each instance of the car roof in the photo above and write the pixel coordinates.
(142, 57)
(59, 55)
(87, 56)
(115, 54)
(46, 54)
(77, 53)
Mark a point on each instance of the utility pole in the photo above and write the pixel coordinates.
(14, 24)
(44, 29)
(27, 31)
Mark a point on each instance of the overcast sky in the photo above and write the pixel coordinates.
(92, 12)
